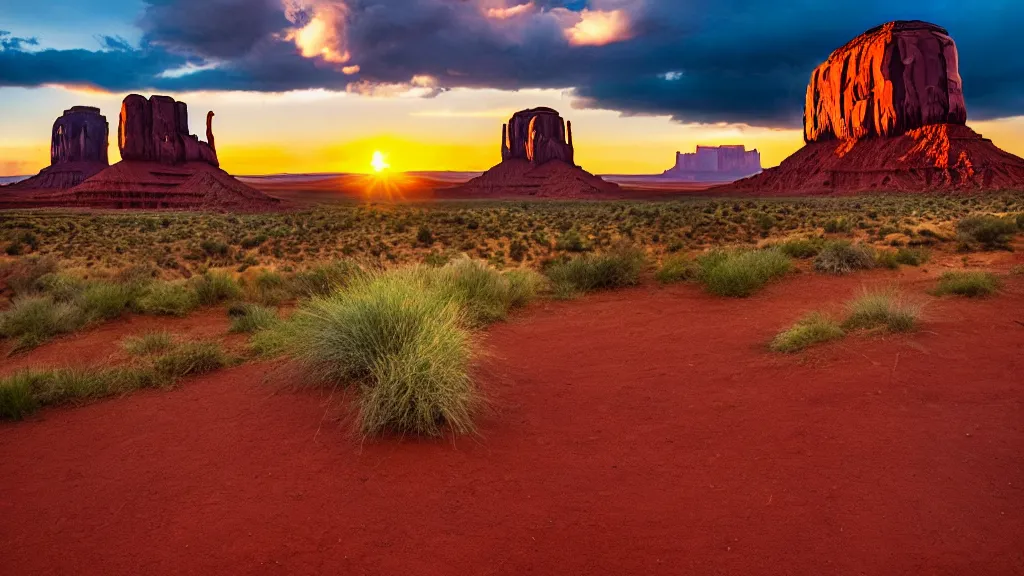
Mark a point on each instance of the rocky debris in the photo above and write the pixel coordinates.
(156, 130)
(885, 113)
(538, 135)
(78, 149)
(891, 79)
(716, 164)
(537, 159)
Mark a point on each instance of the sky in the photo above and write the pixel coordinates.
(319, 85)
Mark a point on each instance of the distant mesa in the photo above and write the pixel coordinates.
(886, 113)
(715, 164)
(162, 166)
(78, 150)
(537, 159)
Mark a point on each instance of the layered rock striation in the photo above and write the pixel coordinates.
(78, 149)
(886, 113)
(887, 81)
(537, 159)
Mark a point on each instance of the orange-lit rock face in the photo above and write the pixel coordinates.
(891, 79)
(156, 130)
(538, 136)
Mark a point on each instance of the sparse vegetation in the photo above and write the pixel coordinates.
(814, 328)
(589, 272)
(250, 318)
(970, 284)
(991, 232)
(402, 343)
(676, 268)
(892, 259)
(882, 309)
(842, 257)
(148, 344)
(741, 273)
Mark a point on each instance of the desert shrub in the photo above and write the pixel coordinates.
(23, 275)
(838, 225)
(992, 232)
(61, 287)
(403, 343)
(571, 241)
(740, 273)
(615, 269)
(809, 330)
(24, 392)
(676, 268)
(913, 256)
(149, 343)
(167, 298)
(105, 300)
(842, 257)
(800, 248)
(885, 309)
(970, 284)
(32, 320)
(191, 359)
(214, 248)
(214, 287)
(323, 279)
(268, 288)
(485, 294)
(250, 318)
(274, 340)
(523, 286)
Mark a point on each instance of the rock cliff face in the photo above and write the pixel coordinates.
(537, 159)
(886, 113)
(79, 135)
(538, 135)
(78, 149)
(156, 130)
(887, 81)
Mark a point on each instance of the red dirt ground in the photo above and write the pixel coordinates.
(644, 431)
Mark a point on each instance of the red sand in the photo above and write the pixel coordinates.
(644, 431)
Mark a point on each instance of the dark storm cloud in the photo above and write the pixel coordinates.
(696, 60)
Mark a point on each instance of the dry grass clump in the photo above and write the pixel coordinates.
(842, 257)
(970, 284)
(739, 274)
(402, 342)
(250, 318)
(25, 392)
(617, 268)
(677, 268)
(886, 309)
(148, 344)
(814, 328)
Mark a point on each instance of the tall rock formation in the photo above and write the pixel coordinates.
(162, 167)
(156, 130)
(538, 135)
(78, 149)
(537, 159)
(886, 113)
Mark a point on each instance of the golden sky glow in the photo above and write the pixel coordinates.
(320, 131)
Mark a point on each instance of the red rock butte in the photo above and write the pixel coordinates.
(78, 150)
(537, 159)
(886, 113)
(162, 167)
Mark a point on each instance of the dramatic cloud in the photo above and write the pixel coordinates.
(744, 61)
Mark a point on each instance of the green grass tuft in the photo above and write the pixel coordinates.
(992, 232)
(812, 329)
(676, 268)
(214, 288)
(801, 248)
(884, 309)
(167, 298)
(615, 269)
(970, 284)
(191, 359)
(147, 344)
(739, 274)
(32, 320)
(250, 318)
(402, 343)
(842, 257)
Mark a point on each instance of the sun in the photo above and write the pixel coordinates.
(378, 163)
